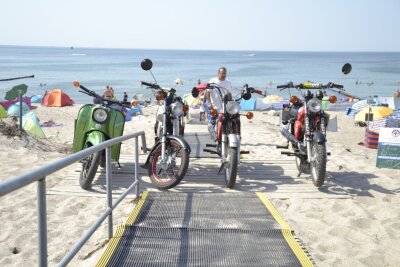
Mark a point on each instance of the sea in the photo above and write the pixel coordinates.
(373, 73)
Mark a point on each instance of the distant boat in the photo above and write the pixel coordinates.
(252, 55)
(72, 47)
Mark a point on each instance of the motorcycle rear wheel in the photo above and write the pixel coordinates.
(231, 171)
(318, 165)
(177, 165)
(89, 169)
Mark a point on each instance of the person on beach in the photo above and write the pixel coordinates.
(125, 99)
(213, 98)
(108, 93)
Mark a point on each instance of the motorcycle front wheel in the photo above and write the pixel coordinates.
(318, 164)
(89, 169)
(169, 174)
(231, 169)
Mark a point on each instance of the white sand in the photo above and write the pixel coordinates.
(363, 229)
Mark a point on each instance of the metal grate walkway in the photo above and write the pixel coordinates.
(202, 229)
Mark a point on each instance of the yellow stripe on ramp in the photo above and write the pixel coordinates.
(113, 243)
(287, 232)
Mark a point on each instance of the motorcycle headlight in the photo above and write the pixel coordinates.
(232, 107)
(177, 109)
(100, 115)
(314, 105)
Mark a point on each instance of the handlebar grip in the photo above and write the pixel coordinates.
(282, 86)
(339, 86)
(258, 91)
(147, 84)
(126, 104)
(83, 88)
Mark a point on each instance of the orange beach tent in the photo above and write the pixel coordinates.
(57, 98)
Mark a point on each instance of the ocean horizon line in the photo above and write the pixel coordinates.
(203, 50)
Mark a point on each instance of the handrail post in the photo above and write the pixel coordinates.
(144, 145)
(109, 190)
(42, 222)
(137, 165)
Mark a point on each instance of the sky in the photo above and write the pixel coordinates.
(250, 25)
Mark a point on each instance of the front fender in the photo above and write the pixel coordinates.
(180, 140)
(319, 137)
(95, 138)
(233, 140)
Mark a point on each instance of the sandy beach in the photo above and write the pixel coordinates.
(360, 229)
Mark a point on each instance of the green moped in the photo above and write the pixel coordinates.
(94, 125)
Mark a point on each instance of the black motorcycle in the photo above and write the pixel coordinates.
(168, 160)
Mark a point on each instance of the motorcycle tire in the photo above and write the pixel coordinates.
(318, 165)
(89, 169)
(170, 177)
(231, 171)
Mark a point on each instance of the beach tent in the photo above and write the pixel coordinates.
(6, 104)
(36, 99)
(3, 112)
(31, 125)
(355, 108)
(14, 109)
(57, 98)
(376, 111)
(248, 104)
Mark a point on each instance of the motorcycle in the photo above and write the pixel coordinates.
(168, 160)
(228, 130)
(176, 113)
(305, 126)
(94, 125)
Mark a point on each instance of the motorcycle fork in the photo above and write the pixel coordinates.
(236, 130)
(175, 126)
(307, 137)
(224, 138)
(164, 136)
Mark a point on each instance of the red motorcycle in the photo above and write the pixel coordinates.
(305, 128)
(228, 130)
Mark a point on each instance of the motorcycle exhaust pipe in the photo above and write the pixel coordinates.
(289, 136)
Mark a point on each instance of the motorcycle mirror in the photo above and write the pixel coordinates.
(146, 64)
(77, 84)
(246, 96)
(346, 69)
(195, 92)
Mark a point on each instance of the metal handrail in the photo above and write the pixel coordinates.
(39, 175)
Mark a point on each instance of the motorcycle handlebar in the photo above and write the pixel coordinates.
(151, 85)
(283, 86)
(334, 85)
(310, 86)
(126, 104)
(252, 90)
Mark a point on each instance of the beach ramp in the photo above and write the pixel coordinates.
(204, 229)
